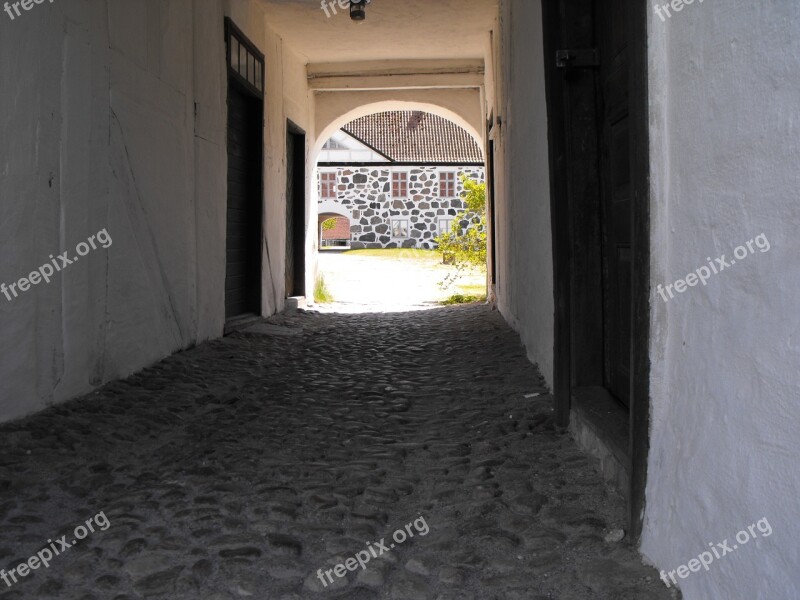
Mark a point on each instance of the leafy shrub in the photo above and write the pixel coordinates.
(322, 294)
(462, 299)
(464, 246)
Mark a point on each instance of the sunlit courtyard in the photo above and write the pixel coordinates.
(394, 280)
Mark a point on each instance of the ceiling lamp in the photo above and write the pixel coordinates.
(358, 10)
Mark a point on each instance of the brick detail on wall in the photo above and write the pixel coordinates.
(340, 232)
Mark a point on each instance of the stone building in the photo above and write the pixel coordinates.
(407, 191)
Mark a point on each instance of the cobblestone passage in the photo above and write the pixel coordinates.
(241, 467)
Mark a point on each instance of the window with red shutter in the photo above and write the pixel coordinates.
(447, 184)
(399, 184)
(328, 184)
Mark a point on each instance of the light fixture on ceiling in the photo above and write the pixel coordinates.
(358, 10)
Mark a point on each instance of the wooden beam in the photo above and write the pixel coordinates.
(640, 326)
(379, 75)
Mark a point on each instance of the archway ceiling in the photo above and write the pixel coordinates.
(393, 30)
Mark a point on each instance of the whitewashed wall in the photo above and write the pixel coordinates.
(113, 115)
(524, 240)
(725, 126)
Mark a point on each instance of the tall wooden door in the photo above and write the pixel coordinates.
(596, 74)
(590, 91)
(617, 203)
(295, 211)
(245, 176)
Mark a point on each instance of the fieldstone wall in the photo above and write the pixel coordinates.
(365, 195)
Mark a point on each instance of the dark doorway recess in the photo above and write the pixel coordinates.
(596, 76)
(245, 175)
(295, 211)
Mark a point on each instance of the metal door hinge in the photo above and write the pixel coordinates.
(573, 59)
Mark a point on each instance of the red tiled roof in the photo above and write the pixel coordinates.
(413, 136)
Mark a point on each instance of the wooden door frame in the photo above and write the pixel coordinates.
(491, 207)
(561, 204)
(234, 79)
(293, 129)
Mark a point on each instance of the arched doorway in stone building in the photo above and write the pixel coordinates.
(333, 230)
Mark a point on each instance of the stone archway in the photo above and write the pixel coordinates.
(339, 236)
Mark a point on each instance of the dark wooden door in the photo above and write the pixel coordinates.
(589, 97)
(616, 193)
(597, 103)
(295, 212)
(243, 261)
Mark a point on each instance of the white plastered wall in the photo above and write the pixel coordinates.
(113, 115)
(523, 228)
(725, 149)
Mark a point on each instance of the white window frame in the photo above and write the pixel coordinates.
(450, 221)
(408, 228)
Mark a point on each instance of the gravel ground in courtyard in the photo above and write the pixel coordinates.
(399, 281)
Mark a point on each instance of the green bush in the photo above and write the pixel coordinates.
(462, 299)
(321, 293)
(465, 247)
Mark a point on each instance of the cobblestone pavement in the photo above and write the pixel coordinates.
(241, 467)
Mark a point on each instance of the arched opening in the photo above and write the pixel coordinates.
(455, 114)
(398, 182)
(333, 227)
